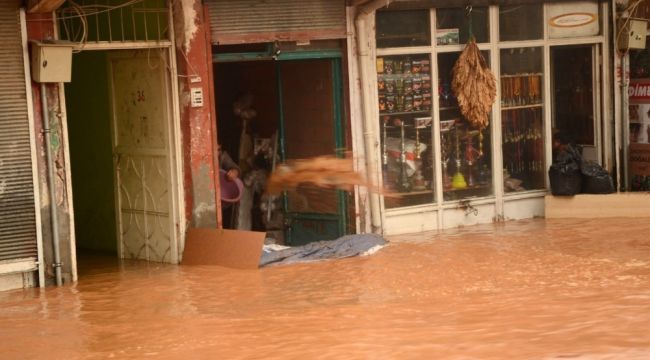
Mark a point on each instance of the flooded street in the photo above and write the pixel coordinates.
(536, 289)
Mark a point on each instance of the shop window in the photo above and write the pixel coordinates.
(640, 62)
(404, 89)
(521, 22)
(522, 114)
(465, 150)
(453, 25)
(403, 28)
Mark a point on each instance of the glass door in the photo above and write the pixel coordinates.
(574, 106)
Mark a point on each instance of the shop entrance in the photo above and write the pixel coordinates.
(575, 111)
(296, 114)
(120, 130)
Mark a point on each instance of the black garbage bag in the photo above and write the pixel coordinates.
(564, 174)
(565, 179)
(595, 179)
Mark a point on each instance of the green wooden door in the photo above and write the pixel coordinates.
(310, 125)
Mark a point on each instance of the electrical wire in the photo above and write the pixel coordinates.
(84, 25)
(104, 9)
(629, 12)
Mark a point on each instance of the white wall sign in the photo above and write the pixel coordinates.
(573, 19)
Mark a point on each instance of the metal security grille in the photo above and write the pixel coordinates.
(114, 21)
(250, 21)
(17, 213)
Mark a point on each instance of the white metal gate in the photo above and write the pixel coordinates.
(142, 151)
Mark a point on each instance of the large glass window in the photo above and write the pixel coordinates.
(521, 22)
(453, 25)
(522, 125)
(465, 149)
(403, 28)
(406, 85)
(404, 90)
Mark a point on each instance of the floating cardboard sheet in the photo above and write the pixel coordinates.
(230, 248)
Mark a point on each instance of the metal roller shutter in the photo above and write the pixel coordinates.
(17, 212)
(251, 21)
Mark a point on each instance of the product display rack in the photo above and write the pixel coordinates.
(405, 103)
(465, 150)
(465, 158)
(522, 130)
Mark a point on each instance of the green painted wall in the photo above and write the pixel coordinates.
(88, 112)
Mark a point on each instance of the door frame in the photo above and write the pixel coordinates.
(336, 57)
(177, 204)
(596, 80)
(178, 200)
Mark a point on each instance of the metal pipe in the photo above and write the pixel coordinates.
(54, 219)
(625, 122)
(370, 140)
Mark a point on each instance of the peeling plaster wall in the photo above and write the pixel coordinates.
(190, 27)
(62, 202)
(197, 123)
(38, 30)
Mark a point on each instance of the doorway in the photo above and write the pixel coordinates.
(298, 115)
(574, 83)
(120, 130)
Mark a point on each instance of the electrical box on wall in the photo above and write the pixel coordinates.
(52, 61)
(632, 33)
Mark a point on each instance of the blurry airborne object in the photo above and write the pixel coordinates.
(322, 171)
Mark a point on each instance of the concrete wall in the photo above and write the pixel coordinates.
(198, 124)
(89, 129)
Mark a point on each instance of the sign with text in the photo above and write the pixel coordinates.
(640, 167)
(573, 19)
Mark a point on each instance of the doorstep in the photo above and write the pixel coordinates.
(589, 206)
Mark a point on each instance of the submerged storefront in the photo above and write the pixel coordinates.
(553, 70)
(279, 73)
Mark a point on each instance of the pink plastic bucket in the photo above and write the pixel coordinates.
(231, 191)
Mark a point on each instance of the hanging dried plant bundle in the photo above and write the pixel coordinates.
(474, 86)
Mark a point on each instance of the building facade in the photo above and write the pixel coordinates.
(125, 156)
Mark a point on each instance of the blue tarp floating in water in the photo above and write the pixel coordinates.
(346, 246)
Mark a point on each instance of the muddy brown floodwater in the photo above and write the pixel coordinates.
(577, 289)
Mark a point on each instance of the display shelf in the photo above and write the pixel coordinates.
(405, 102)
(412, 193)
(474, 187)
(403, 75)
(404, 113)
(522, 106)
(521, 75)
